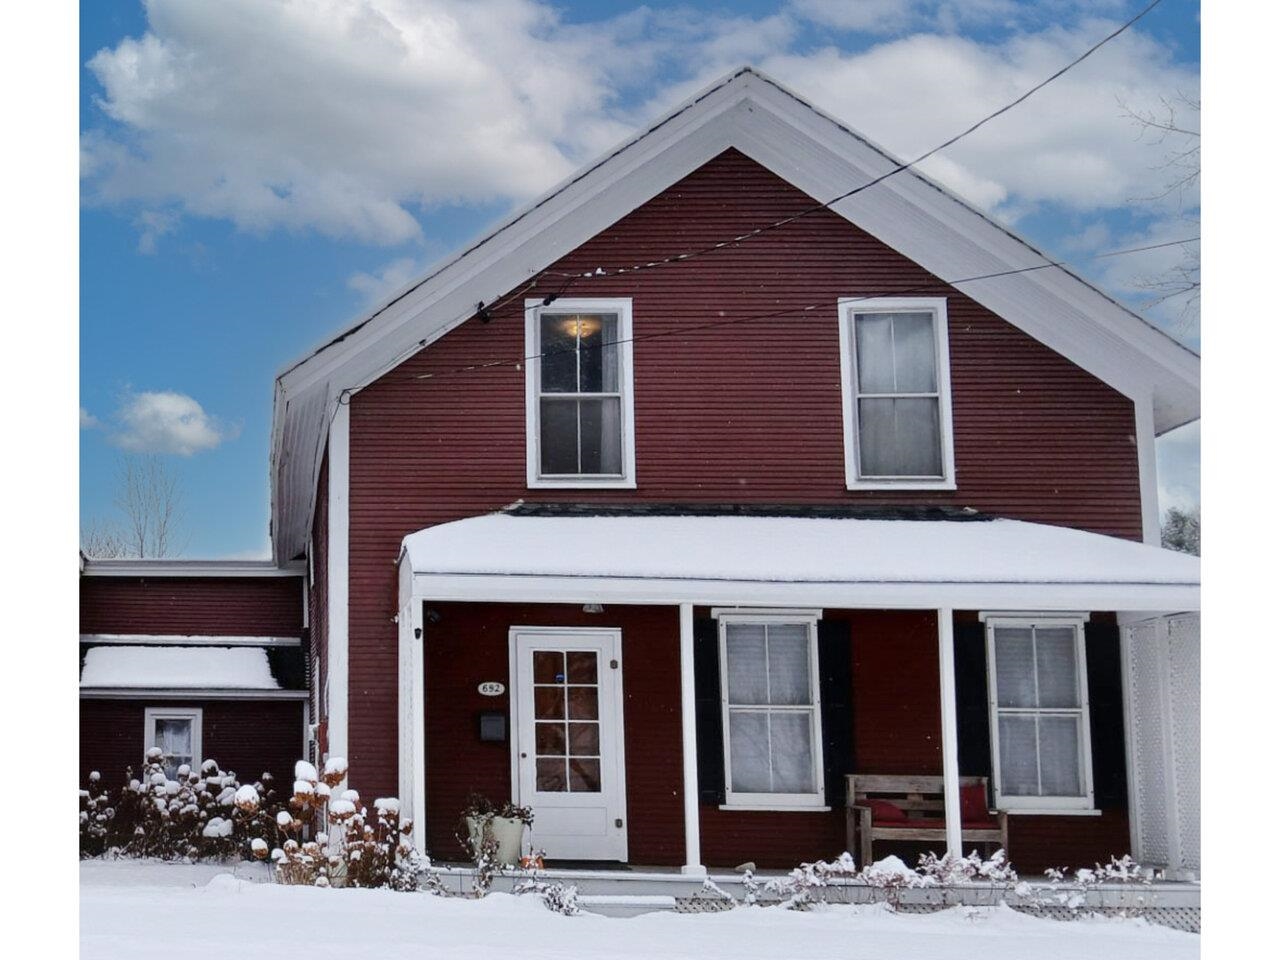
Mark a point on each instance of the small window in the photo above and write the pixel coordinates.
(177, 734)
(578, 393)
(769, 695)
(1039, 714)
(897, 404)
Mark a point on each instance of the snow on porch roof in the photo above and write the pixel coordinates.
(196, 668)
(989, 563)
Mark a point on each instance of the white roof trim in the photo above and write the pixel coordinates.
(794, 561)
(189, 693)
(817, 154)
(191, 568)
(187, 640)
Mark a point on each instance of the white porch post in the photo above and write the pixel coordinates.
(950, 742)
(689, 746)
(412, 708)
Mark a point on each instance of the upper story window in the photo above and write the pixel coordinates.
(897, 393)
(578, 393)
(176, 733)
(1039, 713)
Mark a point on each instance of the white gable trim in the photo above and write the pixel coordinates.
(809, 149)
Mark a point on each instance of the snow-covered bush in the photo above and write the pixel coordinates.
(947, 869)
(1070, 889)
(555, 896)
(796, 890)
(197, 815)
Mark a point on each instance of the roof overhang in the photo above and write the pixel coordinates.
(133, 567)
(793, 561)
(816, 153)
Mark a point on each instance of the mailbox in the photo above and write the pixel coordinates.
(493, 727)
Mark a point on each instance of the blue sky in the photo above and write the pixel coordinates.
(254, 174)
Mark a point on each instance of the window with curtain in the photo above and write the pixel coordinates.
(177, 734)
(898, 414)
(579, 423)
(773, 751)
(1040, 722)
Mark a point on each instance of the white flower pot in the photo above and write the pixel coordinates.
(507, 831)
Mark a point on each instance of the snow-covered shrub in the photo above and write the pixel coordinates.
(555, 896)
(796, 890)
(947, 869)
(1070, 889)
(197, 815)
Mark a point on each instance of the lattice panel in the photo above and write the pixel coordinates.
(1148, 658)
(1184, 689)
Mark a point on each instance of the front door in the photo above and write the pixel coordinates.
(567, 710)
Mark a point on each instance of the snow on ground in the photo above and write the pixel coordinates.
(147, 910)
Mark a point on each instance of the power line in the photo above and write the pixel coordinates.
(806, 308)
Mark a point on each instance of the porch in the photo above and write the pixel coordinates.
(902, 617)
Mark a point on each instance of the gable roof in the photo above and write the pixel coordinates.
(756, 115)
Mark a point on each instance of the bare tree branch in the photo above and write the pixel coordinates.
(102, 540)
(150, 500)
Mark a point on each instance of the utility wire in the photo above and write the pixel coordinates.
(807, 308)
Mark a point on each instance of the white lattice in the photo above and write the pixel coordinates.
(1184, 696)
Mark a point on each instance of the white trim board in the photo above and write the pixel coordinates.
(754, 114)
(235, 569)
(188, 693)
(185, 640)
(338, 581)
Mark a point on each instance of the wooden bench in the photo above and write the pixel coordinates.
(909, 808)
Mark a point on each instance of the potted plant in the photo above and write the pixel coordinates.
(498, 830)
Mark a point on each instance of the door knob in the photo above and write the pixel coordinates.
(524, 756)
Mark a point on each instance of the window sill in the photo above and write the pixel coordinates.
(900, 484)
(1053, 812)
(582, 483)
(774, 808)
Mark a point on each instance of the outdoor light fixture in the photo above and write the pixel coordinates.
(593, 608)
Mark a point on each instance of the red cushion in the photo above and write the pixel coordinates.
(973, 803)
(882, 810)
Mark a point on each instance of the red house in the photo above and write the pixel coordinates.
(683, 495)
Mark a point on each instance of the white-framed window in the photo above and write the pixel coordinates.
(176, 731)
(578, 405)
(1039, 701)
(770, 710)
(896, 379)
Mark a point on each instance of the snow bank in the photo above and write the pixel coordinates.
(243, 668)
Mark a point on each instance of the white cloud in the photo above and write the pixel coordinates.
(167, 422)
(87, 420)
(1178, 468)
(354, 120)
(386, 279)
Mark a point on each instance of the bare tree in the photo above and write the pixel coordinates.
(1176, 127)
(148, 495)
(102, 539)
(149, 498)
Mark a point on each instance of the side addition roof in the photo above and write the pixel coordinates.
(756, 115)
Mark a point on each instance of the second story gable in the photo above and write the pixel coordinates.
(813, 364)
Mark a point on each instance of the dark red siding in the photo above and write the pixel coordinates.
(897, 727)
(742, 412)
(213, 606)
(246, 736)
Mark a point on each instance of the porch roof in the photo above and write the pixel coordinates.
(820, 561)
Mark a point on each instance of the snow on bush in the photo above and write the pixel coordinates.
(555, 896)
(194, 816)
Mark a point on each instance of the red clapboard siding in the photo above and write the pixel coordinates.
(213, 606)
(748, 412)
(247, 736)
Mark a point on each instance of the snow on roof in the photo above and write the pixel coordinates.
(791, 549)
(178, 667)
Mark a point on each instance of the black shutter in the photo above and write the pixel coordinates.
(706, 691)
(973, 721)
(1106, 714)
(835, 687)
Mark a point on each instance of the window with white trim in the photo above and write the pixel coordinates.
(176, 732)
(1039, 703)
(770, 711)
(578, 393)
(897, 393)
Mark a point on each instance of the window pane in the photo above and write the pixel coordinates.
(1015, 681)
(598, 363)
(548, 666)
(551, 775)
(548, 703)
(584, 739)
(559, 354)
(745, 660)
(873, 334)
(584, 703)
(791, 740)
(1056, 667)
(173, 736)
(559, 436)
(601, 432)
(584, 775)
(899, 437)
(582, 666)
(913, 353)
(549, 739)
(1060, 757)
(789, 663)
(748, 751)
(1018, 776)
